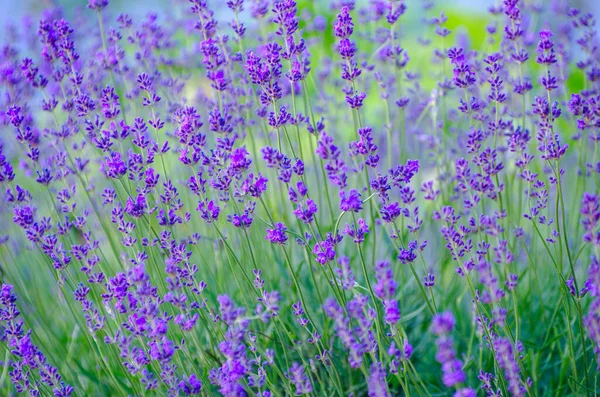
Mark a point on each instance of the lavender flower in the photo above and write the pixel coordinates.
(300, 381)
(442, 327)
(29, 359)
(118, 126)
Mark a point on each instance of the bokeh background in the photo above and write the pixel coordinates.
(12, 11)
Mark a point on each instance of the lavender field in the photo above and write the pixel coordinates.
(276, 198)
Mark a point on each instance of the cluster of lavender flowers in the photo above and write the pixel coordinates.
(280, 197)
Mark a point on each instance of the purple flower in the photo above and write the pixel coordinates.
(358, 340)
(442, 326)
(97, 4)
(306, 212)
(324, 252)
(365, 147)
(136, 208)
(351, 201)
(299, 379)
(346, 48)
(429, 280)
(25, 353)
(376, 383)
(209, 211)
(590, 211)
(191, 386)
(114, 166)
(506, 360)
(385, 289)
(390, 212)
(386, 285)
(243, 220)
(356, 99)
(464, 75)
(452, 373)
(345, 273)
(247, 116)
(466, 392)
(344, 27)
(110, 103)
(357, 231)
(277, 234)
(545, 49)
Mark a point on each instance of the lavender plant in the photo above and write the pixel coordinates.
(279, 197)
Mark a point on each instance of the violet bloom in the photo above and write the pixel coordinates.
(464, 75)
(549, 143)
(299, 379)
(505, 354)
(442, 326)
(277, 235)
(590, 211)
(97, 4)
(343, 28)
(429, 280)
(243, 220)
(136, 208)
(351, 201)
(365, 146)
(547, 57)
(114, 166)
(545, 49)
(385, 289)
(335, 167)
(494, 67)
(376, 383)
(399, 355)
(236, 364)
(28, 358)
(324, 251)
(586, 110)
(357, 231)
(298, 311)
(345, 273)
(360, 339)
(209, 211)
(191, 386)
(266, 74)
(466, 392)
(306, 212)
(513, 34)
(592, 319)
(390, 212)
